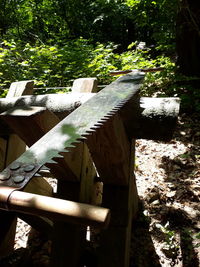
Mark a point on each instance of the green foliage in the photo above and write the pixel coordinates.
(154, 20)
(170, 245)
(119, 21)
(58, 65)
(54, 65)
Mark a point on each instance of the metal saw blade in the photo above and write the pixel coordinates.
(83, 121)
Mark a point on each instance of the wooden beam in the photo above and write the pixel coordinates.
(14, 148)
(140, 116)
(41, 121)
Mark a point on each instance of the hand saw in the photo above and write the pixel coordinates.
(76, 127)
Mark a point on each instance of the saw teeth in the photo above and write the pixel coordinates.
(103, 120)
(64, 151)
(57, 157)
(90, 131)
(71, 146)
(98, 124)
(86, 134)
(95, 127)
(51, 161)
(108, 116)
(82, 139)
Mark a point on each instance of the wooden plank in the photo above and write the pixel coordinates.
(20, 119)
(15, 147)
(109, 149)
(41, 121)
(88, 173)
(69, 240)
(40, 186)
(86, 85)
(20, 88)
(114, 246)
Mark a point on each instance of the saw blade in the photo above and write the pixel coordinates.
(83, 121)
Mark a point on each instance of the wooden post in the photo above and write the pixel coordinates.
(10, 151)
(17, 89)
(85, 85)
(113, 155)
(69, 240)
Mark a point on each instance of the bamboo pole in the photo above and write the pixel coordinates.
(54, 208)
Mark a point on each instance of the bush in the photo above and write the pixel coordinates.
(55, 66)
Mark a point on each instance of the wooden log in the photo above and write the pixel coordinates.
(153, 118)
(140, 116)
(60, 104)
(86, 85)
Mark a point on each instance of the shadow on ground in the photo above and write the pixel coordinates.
(142, 249)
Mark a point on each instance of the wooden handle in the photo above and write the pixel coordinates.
(57, 209)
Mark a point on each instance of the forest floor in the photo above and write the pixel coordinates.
(166, 231)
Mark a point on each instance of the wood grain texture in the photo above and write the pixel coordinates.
(86, 85)
(109, 149)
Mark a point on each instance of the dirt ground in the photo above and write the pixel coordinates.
(166, 232)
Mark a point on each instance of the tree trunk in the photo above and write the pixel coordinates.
(188, 37)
